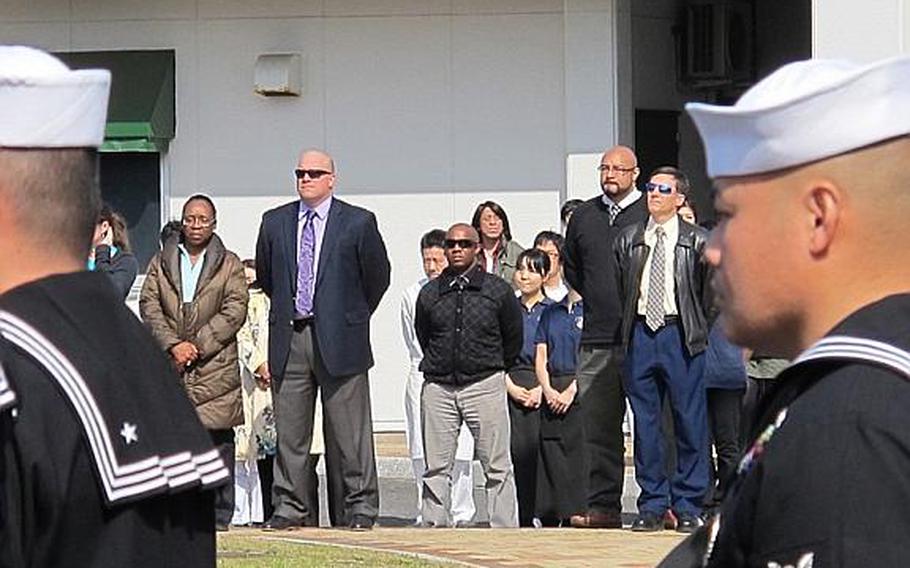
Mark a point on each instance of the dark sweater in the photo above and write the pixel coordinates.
(590, 268)
(469, 326)
(121, 268)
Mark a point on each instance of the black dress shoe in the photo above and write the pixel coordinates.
(688, 523)
(361, 523)
(648, 522)
(278, 523)
(222, 527)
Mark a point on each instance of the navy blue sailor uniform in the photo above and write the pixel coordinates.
(824, 482)
(104, 462)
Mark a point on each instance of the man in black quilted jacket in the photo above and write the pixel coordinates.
(469, 326)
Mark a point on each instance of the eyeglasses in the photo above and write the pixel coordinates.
(314, 174)
(460, 243)
(203, 222)
(610, 168)
(662, 188)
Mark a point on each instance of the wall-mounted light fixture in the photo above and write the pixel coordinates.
(279, 74)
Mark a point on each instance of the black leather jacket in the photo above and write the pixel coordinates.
(692, 275)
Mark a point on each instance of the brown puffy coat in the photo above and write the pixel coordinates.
(210, 322)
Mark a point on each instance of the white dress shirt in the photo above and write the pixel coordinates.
(671, 230)
(624, 203)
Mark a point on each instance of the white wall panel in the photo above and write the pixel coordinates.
(260, 8)
(590, 81)
(106, 10)
(507, 6)
(859, 31)
(248, 143)
(52, 36)
(508, 102)
(387, 102)
(34, 11)
(386, 8)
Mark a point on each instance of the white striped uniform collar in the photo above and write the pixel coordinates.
(857, 349)
(120, 481)
(7, 394)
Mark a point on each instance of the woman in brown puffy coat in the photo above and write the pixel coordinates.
(194, 300)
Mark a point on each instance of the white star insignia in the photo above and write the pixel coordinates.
(129, 433)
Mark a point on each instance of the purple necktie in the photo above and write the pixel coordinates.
(304, 304)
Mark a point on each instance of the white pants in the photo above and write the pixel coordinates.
(247, 494)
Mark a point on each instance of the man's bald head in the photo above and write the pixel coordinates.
(315, 174)
(797, 250)
(624, 153)
(462, 246)
(618, 172)
(462, 231)
(315, 156)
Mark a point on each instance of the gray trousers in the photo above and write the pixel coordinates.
(482, 406)
(350, 460)
(603, 405)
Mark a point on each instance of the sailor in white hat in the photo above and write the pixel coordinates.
(103, 461)
(812, 262)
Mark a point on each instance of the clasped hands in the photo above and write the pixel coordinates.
(559, 402)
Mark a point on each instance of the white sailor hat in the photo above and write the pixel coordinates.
(803, 112)
(43, 104)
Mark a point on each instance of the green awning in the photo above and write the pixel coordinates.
(140, 116)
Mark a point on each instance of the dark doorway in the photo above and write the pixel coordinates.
(656, 139)
(130, 183)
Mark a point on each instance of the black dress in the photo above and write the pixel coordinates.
(104, 462)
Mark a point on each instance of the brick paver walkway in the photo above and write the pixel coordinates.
(503, 548)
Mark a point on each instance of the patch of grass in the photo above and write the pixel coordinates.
(256, 552)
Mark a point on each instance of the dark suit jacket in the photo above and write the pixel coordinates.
(352, 276)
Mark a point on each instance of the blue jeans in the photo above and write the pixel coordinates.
(658, 363)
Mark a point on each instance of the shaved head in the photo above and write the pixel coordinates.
(50, 198)
(462, 246)
(314, 156)
(618, 172)
(797, 250)
(624, 153)
(461, 231)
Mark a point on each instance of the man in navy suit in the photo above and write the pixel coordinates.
(324, 266)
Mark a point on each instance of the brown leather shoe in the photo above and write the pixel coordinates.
(595, 520)
(670, 520)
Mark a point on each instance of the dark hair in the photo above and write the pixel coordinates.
(682, 180)
(118, 226)
(550, 237)
(170, 229)
(568, 208)
(498, 211)
(251, 264)
(56, 190)
(201, 197)
(433, 239)
(689, 202)
(535, 259)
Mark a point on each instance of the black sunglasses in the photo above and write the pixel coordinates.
(460, 243)
(663, 188)
(314, 174)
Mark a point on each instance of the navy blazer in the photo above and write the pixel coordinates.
(352, 276)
